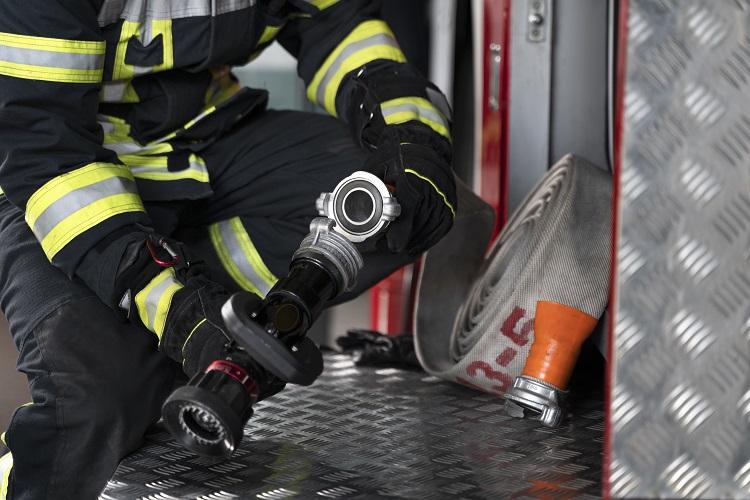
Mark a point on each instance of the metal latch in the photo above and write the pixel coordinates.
(536, 20)
(495, 60)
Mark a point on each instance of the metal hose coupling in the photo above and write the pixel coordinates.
(536, 400)
(361, 206)
(325, 245)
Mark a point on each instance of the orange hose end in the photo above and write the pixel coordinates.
(559, 333)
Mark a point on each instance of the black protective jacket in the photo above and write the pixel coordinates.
(106, 103)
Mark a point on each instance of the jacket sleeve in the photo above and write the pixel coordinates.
(74, 192)
(353, 67)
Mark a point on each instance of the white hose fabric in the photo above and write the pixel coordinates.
(474, 320)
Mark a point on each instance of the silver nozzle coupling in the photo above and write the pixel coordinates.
(537, 400)
(335, 248)
(361, 206)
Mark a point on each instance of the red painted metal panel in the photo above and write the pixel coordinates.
(619, 111)
(495, 131)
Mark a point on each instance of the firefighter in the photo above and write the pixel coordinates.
(121, 121)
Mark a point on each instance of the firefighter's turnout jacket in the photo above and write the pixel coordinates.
(106, 103)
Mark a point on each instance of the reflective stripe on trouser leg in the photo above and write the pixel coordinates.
(369, 41)
(154, 300)
(239, 256)
(6, 464)
(405, 109)
(74, 202)
(155, 168)
(51, 59)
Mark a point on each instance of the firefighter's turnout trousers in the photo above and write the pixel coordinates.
(96, 382)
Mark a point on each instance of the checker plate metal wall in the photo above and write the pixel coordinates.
(365, 433)
(681, 388)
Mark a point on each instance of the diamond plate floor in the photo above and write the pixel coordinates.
(380, 433)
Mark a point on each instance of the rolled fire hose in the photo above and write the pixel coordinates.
(543, 283)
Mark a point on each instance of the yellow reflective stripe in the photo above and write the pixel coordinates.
(88, 217)
(6, 465)
(66, 183)
(269, 33)
(434, 186)
(226, 260)
(52, 44)
(322, 4)
(117, 138)
(189, 124)
(156, 168)
(251, 253)
(201, 116)
(404, 109)
(74, 202)
(405, 116)
(51, 59)
(240, 257)
(154, 300)
(190, 335)
(122, 71)
(340, 62)
(163, 27)
(118, 92)
(49, 74)
(2, 439)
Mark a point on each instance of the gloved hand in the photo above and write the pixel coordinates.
(369, 347)
(413, 159)
(172, 297)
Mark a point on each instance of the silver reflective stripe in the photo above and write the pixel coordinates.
(195, 166)
(113, 91)
(240, 259)
(153, 298)
(379, 39)
(51, 59)
(147, 10)
(78, 199)
(428, 113)
(125, 148)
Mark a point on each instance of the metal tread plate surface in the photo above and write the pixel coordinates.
(681, 391)
(380, 433)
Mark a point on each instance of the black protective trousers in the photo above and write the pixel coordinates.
(97, 383)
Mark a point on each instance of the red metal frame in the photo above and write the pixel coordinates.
(392, 300)
(619, 112)
(494, 149)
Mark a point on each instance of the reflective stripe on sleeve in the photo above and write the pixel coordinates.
(239, 256)
(74, 202)
(269, 33)
(154, 300)
(6, 464)
(405, 109)
(369, 41)
(51, 59)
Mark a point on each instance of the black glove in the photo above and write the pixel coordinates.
(158, 287)
(368, 347)
(416, 161)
